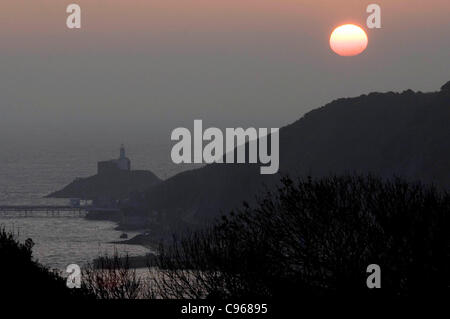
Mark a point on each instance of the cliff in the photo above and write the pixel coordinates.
(387, 134)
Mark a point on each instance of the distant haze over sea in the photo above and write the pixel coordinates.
(30, 171)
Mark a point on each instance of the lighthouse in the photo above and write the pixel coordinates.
(122, 163)
(122, 152)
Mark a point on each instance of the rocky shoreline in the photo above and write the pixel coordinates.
(145, 240)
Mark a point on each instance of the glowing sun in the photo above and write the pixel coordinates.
(348, 40)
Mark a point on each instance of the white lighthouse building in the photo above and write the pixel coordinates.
(122, 163)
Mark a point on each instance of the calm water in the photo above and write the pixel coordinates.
(29, 173)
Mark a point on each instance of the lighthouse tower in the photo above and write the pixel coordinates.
(122, 151)
(123, 162)
(111, 166)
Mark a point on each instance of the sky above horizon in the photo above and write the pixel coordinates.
(140, 68)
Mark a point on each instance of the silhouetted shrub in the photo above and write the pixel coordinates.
(22, 277)
(316, 238)
(111, 277)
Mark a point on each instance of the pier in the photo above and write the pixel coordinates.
(53, 210)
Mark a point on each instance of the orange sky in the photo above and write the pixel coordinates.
(25, 21)
(163, 63)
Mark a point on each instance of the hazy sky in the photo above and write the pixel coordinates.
(144, 67)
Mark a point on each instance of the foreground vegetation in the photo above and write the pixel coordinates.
(316, 238)
(22, 277)
(308, 238)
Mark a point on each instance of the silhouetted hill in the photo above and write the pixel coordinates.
(404, 134)
(116, 184)
(24, 278)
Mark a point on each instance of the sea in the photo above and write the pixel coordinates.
(29, 172)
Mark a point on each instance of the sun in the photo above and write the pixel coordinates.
(348, 40)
